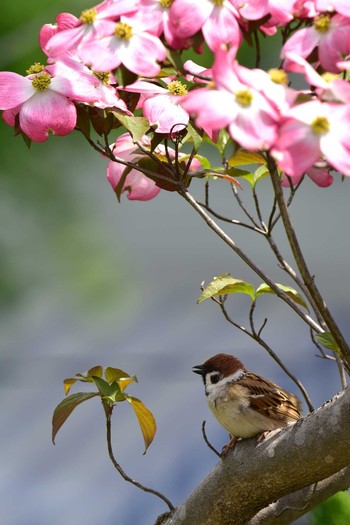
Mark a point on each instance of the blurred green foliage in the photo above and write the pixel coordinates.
(333, 511)
(52, 239)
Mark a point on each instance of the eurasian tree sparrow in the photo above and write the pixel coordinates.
(244, 403)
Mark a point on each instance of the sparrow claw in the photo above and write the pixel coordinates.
(230, 446)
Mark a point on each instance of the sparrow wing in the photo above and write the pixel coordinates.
(271, 400)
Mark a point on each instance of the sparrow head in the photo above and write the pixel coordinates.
(219, 370)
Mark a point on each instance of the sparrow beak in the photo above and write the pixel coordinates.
(199, 369)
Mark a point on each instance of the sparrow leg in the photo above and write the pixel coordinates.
(261, 437)
(230, 446)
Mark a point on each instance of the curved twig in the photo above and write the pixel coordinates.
(208, 442)
(122, 472)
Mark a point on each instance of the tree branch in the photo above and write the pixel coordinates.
(301, 263)
(291, 507)
(254, 475)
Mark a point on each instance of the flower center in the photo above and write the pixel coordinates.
(41, 82)
(88, 16)
(329, 77)
(322, 23)
(177, 88)
(220, 3)
(104, 76)
(278, 76)
(320, 125)
(165, 3)
(244, 97)
(123, 31)
(35, 68)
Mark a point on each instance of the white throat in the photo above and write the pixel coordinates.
(211, 387)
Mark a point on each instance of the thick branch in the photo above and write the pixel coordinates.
(291, 507)
(301, 263)
(255, 475)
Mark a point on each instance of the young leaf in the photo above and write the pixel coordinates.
(327, 340)
(225, 284)
(293, 294)
(66, 407)
(113, 374)
(243, 157)
(67, 383)
(195, 136)
(104, 388)
(137, 126)
(145, 418)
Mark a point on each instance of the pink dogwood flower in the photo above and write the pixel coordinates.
(128, 42)
(161, 105)
(92, 24)
(251, 119)
(107, 96)
(310, 131)
(217, 20)
(319, 174)
(329, 34)
(42, 102)
(138, 186)
(340, 6)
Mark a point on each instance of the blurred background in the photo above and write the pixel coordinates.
(86, 281)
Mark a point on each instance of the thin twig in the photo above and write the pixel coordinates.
(208, 442)
(223, 235)
(121, 471)
(243, 208)
(253, 334)
(230, 221)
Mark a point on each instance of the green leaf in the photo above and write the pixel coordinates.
(243, 157)
(83, 120)
(66, 407)
(254, 178)
(293, 294)
(137, 126)
(104, 388)
(145, 418)
(119, 187)
(327, 340)
(195, 136)
(225, 284)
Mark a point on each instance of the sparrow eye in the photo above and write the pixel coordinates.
(215, 377)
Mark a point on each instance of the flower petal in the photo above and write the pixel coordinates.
(47, 111)
(14, 90)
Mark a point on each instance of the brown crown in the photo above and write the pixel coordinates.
(225, 363)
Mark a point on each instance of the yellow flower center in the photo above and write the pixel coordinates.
(320, 125)
(41, 81)
(329, 77)
(88, 16)
(278, 76)
(177, 88)
(123, 31)
(165, 3)
(244, 97)
(322, 23)
(104, 76)
(35, 68)
(220, 3)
